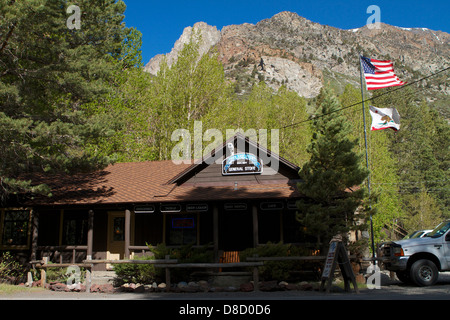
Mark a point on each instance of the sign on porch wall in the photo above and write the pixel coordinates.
(276, 205)
(144, 209)
(235, 206)
(198, 207)
(166, 208)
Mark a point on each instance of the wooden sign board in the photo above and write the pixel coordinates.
(337, 255)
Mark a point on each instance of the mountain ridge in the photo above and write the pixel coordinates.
(304, 55)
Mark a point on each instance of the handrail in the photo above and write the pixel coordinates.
(297, 258)
(159, 261)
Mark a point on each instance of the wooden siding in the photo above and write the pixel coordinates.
(213, 174)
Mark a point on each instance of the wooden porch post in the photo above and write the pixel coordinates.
(127, 233)
(216, 232)
(35, 235)
(255, 225)
(90, 235)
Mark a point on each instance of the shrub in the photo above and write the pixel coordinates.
(136, 273)
(148, 273)
(64, 274)
(280, 270)
(11, 271)
(184, 254)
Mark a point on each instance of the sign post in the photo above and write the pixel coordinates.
(337, 255)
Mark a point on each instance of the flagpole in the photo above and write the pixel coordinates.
(367, 154)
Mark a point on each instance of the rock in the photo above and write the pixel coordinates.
(182, 284)
(162, 286)
(189, 289)
(37, 283)
(305, 286)
(203, 285)
(303, 55)
(193, 284)
(102, 288)
(291, 287)
(58, 286)
(210, 36)
(247, 287)
(269, 286)
(77, 287)
(139, 289)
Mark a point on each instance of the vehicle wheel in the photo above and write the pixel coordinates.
(403, 276)
(424, 273)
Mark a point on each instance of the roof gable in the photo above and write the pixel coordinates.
(274, 166)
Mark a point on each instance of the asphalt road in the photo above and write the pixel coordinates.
(391, 300)
(388, 290)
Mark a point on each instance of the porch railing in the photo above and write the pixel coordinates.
(55, 253)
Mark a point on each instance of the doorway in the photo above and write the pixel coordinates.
(235, 229)
(116, 236)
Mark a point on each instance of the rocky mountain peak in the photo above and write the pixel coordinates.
(290, 50)
(210, 37)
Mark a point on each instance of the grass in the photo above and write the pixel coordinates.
(11, 289)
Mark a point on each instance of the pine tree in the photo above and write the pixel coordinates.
(331, 180)
(47, 73)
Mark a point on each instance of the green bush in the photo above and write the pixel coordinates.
(64, 274)
(11, 271)
(281, 270)
(148, 273)
(136, 273)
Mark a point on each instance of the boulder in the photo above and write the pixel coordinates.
(162, 286)
(268, 286)
(247, 287)
(305, 286)
(102, 288)
(58, 286)
(139, 289)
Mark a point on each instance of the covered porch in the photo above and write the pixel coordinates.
(71, 235)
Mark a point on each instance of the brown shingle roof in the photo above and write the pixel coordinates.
(146, 182)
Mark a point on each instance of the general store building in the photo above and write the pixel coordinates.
(235, 202)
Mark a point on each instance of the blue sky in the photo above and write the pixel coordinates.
(162, 22)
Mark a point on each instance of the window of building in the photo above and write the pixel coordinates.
(15, 227)
(119, 229)
(181, 229)
(75, 226)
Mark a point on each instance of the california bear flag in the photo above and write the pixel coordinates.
(384, 118)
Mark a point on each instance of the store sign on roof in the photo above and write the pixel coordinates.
(242, 163)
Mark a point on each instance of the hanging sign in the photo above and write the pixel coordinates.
(199, 207)
(144, 209)
(242, 163)
(235, 206)
(271, 205)
(170, 208)
(292, 205)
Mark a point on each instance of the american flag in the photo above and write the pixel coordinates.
(379, 74)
